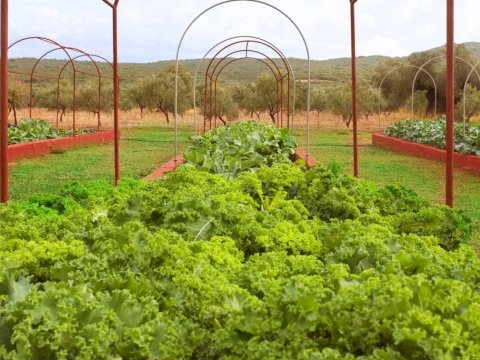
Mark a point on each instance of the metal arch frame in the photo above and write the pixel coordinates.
(59, 47)
(246, 50)
(277, 79)
(177, 64)
(233, 38)
(436, 58)
(67, 50)
(99, 75)
(227, 64)
(396, 69)
(464, 97)
(113, 4)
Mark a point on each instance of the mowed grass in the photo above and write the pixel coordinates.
(141, 151)
(382, 167)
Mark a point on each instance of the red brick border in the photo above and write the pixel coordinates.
(300, 154)
(43, 147)
(470, 162)
(162, 170)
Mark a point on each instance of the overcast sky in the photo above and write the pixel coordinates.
(149, 30)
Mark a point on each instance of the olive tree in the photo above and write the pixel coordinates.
(18, 97)
(160, 90)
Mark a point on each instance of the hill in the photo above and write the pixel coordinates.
(325, 72)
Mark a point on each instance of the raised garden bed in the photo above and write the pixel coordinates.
(300, 154)
(470, 162)
(44, 147)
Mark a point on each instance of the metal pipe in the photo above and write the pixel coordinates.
(116, 89)
(354, 89)
(116, 95)
(4, 100)
(450, 90)
(464, 97)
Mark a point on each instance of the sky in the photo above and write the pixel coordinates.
(150, 30)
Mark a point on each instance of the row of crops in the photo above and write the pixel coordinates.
(33, 130)
(279, 262)
(432, 132)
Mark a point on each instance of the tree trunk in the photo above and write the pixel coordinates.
(272, 115)
(223, 121)
(14, 113)
(348, 121)
(165, 112)
(141, 112)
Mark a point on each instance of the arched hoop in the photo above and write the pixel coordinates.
(66, 50)
(436, 58)
(99, 75)
(278, 78)
(177, 65)
(246, 51)
(391, 72)
(235, 38)
(464, 97)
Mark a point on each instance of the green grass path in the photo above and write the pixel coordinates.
(141, 151)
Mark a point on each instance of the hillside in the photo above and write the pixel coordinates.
(326, 72)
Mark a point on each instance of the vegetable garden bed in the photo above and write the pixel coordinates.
(43, 147)
(272, 261)
(470, 162)
(300, 154)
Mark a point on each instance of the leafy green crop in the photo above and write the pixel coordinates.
(246, 146)
(280, 263)
(33, 130)
(432, 132)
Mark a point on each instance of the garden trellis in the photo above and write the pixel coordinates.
(259, 39)
(213, 76)
(71, 62)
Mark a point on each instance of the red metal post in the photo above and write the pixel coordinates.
(4, 101)
(281, 102)
(116, 90)
(205, 117)
(450, 103)
(116, 95)
(74, 103)
(354, 89)
(215, 106)
(288, 100)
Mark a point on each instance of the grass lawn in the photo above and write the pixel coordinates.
(384, 167)
(141, 151)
